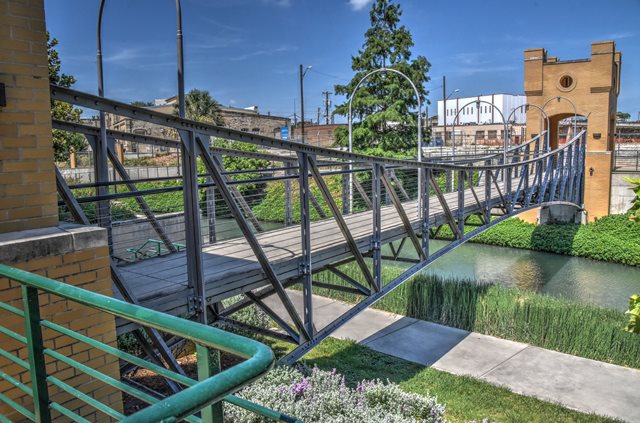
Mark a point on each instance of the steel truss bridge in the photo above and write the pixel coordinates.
(218, 254)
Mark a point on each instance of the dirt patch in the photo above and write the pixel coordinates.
(157, 383)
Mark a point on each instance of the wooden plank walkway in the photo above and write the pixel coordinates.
(230, 267)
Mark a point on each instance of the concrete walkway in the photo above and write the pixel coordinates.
(578, 383)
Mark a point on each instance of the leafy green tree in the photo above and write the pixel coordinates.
(382, 107)
(139, 103)
(63, 142)
(623, 116)
(200, 106)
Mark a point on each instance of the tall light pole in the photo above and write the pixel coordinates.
(303, 72)
(444, 108)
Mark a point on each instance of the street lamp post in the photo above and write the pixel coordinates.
(303, 72)
(444, 141)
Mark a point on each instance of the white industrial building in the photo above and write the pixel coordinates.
(487, 111)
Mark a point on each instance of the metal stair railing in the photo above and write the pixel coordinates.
(197, 396)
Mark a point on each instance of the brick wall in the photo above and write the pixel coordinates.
(27, 181)
(78, 256)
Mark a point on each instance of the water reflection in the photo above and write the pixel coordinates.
(573, 278)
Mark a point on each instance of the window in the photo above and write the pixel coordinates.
(479, 135)
(244, 129)
(493, 135)
(566, 81)
(255, 130)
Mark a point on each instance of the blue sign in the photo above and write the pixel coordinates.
(284, 133)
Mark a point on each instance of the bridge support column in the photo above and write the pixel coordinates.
(425, 209)
(305, 237)
(377, 226)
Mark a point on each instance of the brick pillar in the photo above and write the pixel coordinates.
(30, 237)
(27, 180)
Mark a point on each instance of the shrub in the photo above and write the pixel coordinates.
(324, 397)
(612, 238)
(271, 209)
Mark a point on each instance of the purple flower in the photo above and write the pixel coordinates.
(299, 388)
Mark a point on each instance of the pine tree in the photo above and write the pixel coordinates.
(385, 106)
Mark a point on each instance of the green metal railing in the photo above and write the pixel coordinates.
(152, 248)
(198, 397)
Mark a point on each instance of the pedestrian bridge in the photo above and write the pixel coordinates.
(252, 215)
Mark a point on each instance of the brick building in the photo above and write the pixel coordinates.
(247, 120)
(320, 135)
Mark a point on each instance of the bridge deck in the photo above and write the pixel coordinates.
(230, 267)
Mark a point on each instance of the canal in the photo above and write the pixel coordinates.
(573, 278)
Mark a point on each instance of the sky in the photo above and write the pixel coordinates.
(248, 52)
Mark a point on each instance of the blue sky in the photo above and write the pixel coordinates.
(247, 52)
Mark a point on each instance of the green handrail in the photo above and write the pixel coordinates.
(199, 395)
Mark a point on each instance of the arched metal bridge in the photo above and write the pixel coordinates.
(241, 235)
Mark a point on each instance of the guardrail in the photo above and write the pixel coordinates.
(197, 397)
(626, 160)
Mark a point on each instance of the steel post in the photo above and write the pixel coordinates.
(35, 352)
(288, 197)
(461, 180)
(193, 237)
(210, 201)
(377, 226)
(305, 237)
(426, 214)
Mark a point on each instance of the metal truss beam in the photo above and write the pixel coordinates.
(351, 243)
(122, 287)
(270, 274)
(403, 215)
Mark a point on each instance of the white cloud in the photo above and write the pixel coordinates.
(359, 4)
(279, 3)
(264, 52)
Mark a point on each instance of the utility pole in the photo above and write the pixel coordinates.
(301, 105)
(327, 103)
(318, 115)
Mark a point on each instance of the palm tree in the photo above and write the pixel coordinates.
(200, 106)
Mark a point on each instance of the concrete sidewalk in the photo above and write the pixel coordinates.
(578, 383)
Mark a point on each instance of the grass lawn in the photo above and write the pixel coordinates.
(466, 398)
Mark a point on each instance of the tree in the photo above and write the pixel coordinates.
(139, 103)
(63, 142)
(200, 106)
(382, 106)
(623, 116)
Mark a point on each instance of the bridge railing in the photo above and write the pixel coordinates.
(51, 393)
(365, 200)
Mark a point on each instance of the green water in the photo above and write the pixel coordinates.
(574, 278)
